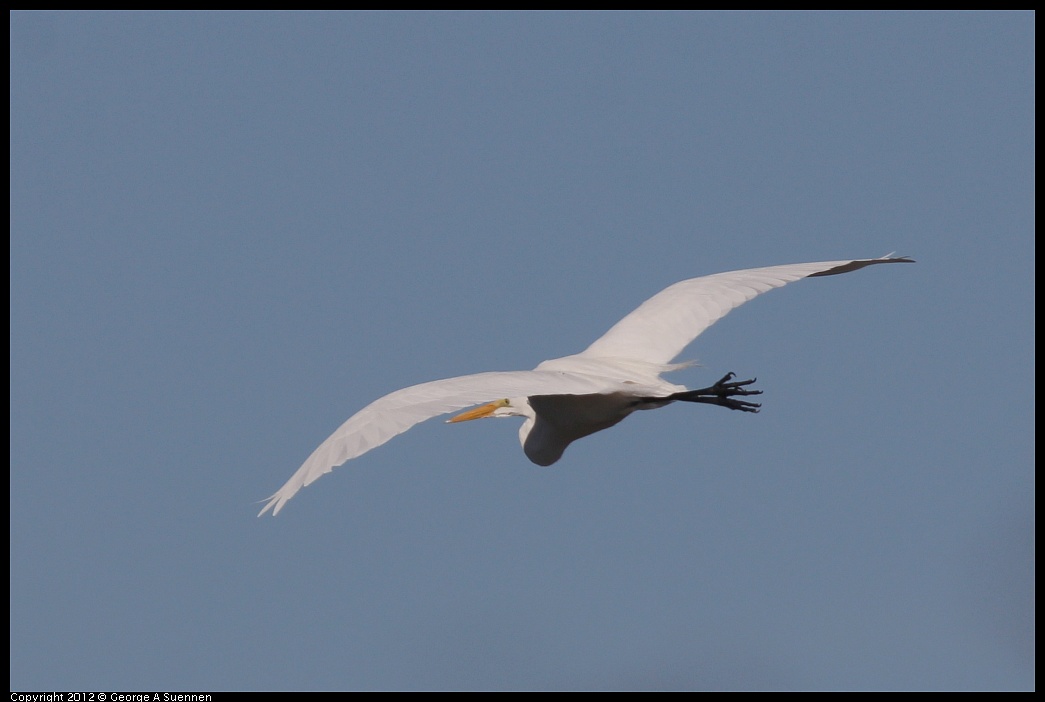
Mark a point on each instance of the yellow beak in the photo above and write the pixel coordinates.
(479, 412)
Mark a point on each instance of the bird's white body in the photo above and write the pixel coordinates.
(565, 399)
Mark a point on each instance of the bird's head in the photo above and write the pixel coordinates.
(505, 407)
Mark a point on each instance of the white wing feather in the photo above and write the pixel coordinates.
(666, 323)
(394, 413)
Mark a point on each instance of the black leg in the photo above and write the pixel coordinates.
(722, 394)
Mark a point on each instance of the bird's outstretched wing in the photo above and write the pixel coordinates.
(665, 324)
(393, 414)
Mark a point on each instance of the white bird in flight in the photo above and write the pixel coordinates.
(565, 399)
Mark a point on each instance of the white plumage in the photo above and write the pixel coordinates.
(567, 398)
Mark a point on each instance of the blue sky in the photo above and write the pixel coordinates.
(229, 232)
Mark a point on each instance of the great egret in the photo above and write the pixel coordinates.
(565, 399)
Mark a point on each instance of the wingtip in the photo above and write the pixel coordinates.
(272, 503)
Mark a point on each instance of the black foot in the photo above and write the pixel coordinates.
(722, 394)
